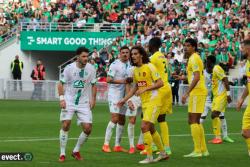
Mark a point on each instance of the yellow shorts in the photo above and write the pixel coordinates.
(196, 103)
(150, 113)
(246, 119)
(166, 100)
(219, 103)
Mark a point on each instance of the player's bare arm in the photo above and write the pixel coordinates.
(191, 87)
(130, 94)
(60, 88)
(226, 84)
(242, 98)
(159, 83)
(113, 81)
(93, 98)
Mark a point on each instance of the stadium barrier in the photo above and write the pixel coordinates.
(39, 90)
(235, 91)
(47, 90)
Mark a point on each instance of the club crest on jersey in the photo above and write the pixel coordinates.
(141, 83)
(81, 73)
(78, 84)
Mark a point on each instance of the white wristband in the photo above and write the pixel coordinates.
(228, 93)
(61, 97)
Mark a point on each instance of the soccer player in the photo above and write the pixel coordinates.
(147, 83)
(210, 62)
(161, 63)
(221, 96)
(117, 75)
(77, 92)
(246, 116)
(197, 93)
(134, 108)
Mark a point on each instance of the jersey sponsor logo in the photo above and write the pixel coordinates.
(78, 84)
(141, 83)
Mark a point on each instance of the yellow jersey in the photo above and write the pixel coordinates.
(161, 64)
(218, 87)
(145, 76)
(248, 77)
(195, 64)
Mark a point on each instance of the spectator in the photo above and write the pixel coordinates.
(38, 76)
(16, 69)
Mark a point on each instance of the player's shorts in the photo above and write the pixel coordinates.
(83, 114)
(137, 104)
(246, 119)
(196, 103)
(113, 108)
(208, 107)
(219, 103)
(166, 100)
(150, 113)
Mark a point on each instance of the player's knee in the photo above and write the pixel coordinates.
(161, 118)
(66, 126)
(246, 134)
(145, 127)
(215, 114)
(132, 121)
(87, 129)
(121, 120)
(114, 120)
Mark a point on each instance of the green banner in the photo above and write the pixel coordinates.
(66, 41)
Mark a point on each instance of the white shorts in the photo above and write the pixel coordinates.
(137, 104)
(83, 114)
(113, 108)
(208, 107)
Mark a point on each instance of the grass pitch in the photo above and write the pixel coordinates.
(31, 126)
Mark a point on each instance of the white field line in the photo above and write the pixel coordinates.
(34, 139)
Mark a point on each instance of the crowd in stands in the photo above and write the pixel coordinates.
(218, 25)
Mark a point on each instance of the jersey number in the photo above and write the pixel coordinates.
(165, 67)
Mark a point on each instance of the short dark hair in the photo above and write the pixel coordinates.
(142, 51)
(124, 47)
(211, 59)
(193, 42)
(81, 49)
(155, 42)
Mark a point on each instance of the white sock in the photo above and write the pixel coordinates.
(202, 120)
(63, 141)
(140, 140)
(108, 133)
(131, 134)
(224, 127)
(82, 138)
(118, 137)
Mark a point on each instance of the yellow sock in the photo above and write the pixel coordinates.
(216, 127)
(148, 142)
(203, 139)
(196, 134)
(248, 143)
(164, 133)
(157, 140)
